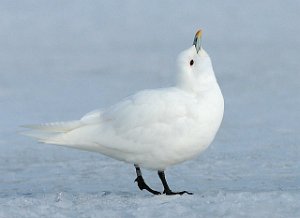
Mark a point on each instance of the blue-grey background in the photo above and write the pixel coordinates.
(62, 59)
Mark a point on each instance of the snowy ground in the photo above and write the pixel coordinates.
(61, 59)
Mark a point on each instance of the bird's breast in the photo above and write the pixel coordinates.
(200, 125)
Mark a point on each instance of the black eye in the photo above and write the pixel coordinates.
(191, 62)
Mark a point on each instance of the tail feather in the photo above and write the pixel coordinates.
(55, 127)
(38, 134)
(50, 132)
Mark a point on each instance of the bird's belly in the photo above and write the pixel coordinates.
(184, 145)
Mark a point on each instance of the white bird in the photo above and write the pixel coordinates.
(155, 128)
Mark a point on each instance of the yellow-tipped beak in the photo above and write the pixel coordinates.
(197, 40)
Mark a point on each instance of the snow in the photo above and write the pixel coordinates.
(61, 59)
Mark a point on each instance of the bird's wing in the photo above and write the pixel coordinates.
(146, 108)
(147, 118)
(92, 117)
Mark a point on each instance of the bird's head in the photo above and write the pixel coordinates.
(195, 68)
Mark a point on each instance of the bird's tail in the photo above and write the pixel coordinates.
(51, 133)
(62, 133)
(71, 134)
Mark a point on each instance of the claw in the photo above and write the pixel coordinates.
(142, 185)
(169, 192)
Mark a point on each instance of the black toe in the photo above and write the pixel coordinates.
(142, 185)
(169, 192)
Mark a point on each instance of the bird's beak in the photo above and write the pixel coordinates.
(197, 40)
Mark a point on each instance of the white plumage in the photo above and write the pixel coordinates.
(153, 128)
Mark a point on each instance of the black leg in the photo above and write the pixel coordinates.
(167, 189)
(141, 183)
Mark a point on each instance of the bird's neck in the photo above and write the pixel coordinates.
(197, 84)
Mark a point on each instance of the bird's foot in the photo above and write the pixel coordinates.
(169, 192)
(142, 185)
